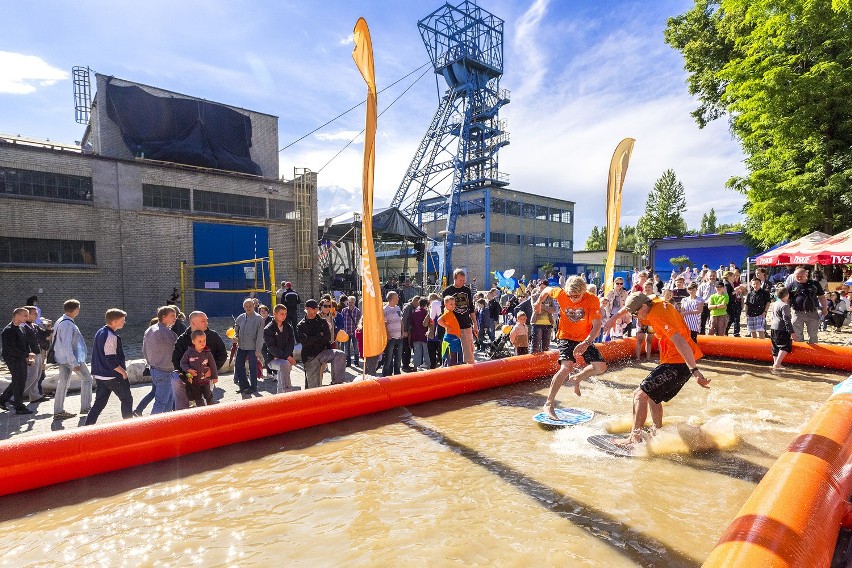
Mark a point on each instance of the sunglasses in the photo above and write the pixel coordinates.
(326, 305)
(619, 283)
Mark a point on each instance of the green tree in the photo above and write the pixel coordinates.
(708, 223)
(782, 73)
(597, 239)
(626, 238)
(664, 209)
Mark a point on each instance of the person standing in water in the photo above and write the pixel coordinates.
(579, 325)
(678, 360)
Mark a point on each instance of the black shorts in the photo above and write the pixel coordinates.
(665, 381)
(566, 351)
(781, 341)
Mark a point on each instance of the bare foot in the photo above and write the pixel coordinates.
(630, 441)
(548, 409)
(577, 387)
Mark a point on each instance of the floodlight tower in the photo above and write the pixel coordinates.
(465, 44)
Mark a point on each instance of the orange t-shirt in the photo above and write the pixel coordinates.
(452, 323)
(575, 318)
(667, 321)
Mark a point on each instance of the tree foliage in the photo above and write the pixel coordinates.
(626, 238)
(708, 223)
(664, 210)
(597, 239)
(782, 73)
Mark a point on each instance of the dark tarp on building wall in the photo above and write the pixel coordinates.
(185, 131)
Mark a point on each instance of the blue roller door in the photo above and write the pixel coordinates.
(216, 243)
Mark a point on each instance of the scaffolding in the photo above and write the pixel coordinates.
(304, 185)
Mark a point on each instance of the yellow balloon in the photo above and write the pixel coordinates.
(554, 291)
(231, 333)
(341, 337)
(507, 329)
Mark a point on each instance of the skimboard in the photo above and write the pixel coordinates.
(604, 442)
(567, 417)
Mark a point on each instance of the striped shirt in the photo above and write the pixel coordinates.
(693, 321)
(351, 316)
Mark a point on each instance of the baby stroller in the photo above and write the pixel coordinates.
(500, 347)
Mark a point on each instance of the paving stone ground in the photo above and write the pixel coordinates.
(41, 421)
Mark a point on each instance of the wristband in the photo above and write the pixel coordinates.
(692, 370)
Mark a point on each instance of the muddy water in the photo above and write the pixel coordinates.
(468, 481)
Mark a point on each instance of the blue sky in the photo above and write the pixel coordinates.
(583, 75)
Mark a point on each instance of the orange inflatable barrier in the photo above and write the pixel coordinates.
(794, 516)
(37, 461)
(816, 355)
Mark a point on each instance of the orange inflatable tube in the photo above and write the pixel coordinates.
(794, 516)
(37, 461)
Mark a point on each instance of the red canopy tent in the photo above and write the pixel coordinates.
(781, 255)
(836, 249)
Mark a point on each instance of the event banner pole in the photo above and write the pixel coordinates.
(375, 335)
(614, 184)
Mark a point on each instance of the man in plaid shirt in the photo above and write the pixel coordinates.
(351, 316)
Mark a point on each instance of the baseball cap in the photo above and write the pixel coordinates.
(635, 301)
(288, 285)
(312, 304)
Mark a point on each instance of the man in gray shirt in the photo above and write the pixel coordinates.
(249, 327)
(158, 344)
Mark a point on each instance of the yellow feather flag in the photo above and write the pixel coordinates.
(617, 173)
(375, 335)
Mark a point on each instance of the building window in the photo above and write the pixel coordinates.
(281, 209)
(498, 238)
(228, 204)
(55, 252)
(566, 216)
(475, 238)
(165, 197)
(29, 183)
(498, 205)
(529, 210)
(541, 212)
(513, 208)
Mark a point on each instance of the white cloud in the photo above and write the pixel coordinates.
(22, 74)
(530, 55)
(346, 135)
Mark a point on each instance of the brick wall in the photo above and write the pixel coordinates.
(138, 249)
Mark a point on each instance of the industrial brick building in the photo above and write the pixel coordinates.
(108, 222)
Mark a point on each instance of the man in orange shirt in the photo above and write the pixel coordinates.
(579, 325)
(678, 356)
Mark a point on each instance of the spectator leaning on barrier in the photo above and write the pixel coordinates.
(280, 341)
(314, 335)
(197, 320)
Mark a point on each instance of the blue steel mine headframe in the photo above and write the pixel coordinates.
(465, 44)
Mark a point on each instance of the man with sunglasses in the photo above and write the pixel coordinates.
(315, 336)
(617, 296)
